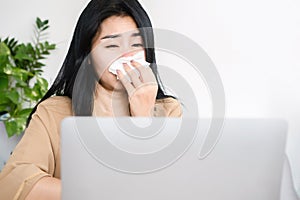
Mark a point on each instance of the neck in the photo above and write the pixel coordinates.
(110, 103)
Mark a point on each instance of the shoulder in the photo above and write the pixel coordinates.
(170, 101)
(48, 116)
(169, 107)
(56, 104)
(57, 100)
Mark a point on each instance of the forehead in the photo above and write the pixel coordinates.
(117, 25)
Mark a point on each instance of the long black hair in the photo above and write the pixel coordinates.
(87, 27)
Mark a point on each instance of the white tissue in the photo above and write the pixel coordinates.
(118, 64)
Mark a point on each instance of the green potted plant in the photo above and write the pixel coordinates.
(21, 81)
(21, 84)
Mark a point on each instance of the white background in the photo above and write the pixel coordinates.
(255, 46)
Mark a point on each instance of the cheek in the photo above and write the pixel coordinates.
(110, 82)
(108, 77)
(102, 59)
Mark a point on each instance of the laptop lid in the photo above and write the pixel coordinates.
(159, 158)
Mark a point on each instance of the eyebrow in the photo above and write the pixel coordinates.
(119, 35)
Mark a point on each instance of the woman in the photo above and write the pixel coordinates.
(84, 86)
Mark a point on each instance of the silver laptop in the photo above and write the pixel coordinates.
(160, 159)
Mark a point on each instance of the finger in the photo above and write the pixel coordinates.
(133, 74)
(126, 83)
(120, 74)
(126, 67)
(137, 66)
(147, 75)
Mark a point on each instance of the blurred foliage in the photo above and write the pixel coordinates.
(21, 81)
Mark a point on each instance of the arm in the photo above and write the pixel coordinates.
(36, 157)
(46, 188)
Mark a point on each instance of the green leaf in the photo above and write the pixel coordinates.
(3, 82)
(4, 102)
(22, 56)
(24, 113)
(52, 47)
(11, 42)
(13, 45)
(41, 46)
(44, 28)
(6, 40)
(42, 82)
(43, 85)
(21, 123)
(4, 50)
(36, 91)
(21, 73)
(13, 96)
(11, 127)
(40, 57)
(3, 107)
(27, 92)
(4, 55)
(15, 126)
(39, 64)
(20, 83)
(45, 22)
(38, 72)
(38, 22)
(32, 93)
(8, 69)
(46, 52)
(20, 63)
(3, 61)
(25, 52)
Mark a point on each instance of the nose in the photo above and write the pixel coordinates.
(128, 54)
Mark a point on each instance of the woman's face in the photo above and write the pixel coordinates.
(118, 37)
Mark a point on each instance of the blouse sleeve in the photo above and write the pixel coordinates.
(168, 107)
(32, 159)
(175, 109)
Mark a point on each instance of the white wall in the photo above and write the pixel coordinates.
(255, 45)
(18, 19)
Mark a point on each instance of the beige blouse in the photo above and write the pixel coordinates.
(38, 153)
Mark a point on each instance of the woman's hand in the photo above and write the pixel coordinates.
(141, 88)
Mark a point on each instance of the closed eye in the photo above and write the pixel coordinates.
(138, 45)
(112, 46)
